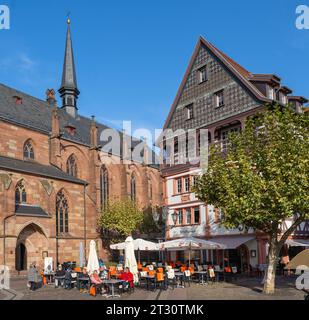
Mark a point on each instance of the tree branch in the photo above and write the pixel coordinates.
(292, 228)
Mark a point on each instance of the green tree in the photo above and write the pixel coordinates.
(262, 179)
(121, 217)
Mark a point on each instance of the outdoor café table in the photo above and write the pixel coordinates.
(81, 279)
(112, 283)
(179, 275)
(202, 275)
(148, 278)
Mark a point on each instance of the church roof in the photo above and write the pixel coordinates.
(36, 114)
(69, 73)
(32, 167)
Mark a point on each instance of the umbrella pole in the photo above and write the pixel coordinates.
(139, 256)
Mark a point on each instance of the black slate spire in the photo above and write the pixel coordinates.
(68, 91)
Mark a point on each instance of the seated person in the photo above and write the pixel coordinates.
(95, 279)
(127, 277)
(83, 284)
(59, 276)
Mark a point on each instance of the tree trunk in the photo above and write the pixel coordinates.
(269, 285)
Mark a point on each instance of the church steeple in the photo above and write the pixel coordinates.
(68, 91)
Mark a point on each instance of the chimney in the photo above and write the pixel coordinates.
(50, 97)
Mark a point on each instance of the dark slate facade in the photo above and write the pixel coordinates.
(236, 96)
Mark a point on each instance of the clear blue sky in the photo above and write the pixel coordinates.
(131, 55)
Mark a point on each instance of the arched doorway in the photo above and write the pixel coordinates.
(31, 243)
(21, 257)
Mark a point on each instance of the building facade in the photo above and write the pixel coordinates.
(56, 175)
(216, 94)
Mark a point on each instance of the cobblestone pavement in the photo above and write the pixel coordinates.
(241, 289)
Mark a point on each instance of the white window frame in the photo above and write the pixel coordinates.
(219, 97)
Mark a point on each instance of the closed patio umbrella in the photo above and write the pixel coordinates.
(130, 260)
(81, 254)
(93, 261)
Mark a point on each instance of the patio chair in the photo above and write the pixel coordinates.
(219, 273)
(142, 282)
(160, 270)
(170, 277)
(227, 273)
(186, 277)
(160, 280)
(234, 273)
(200, 268)
(212, 275)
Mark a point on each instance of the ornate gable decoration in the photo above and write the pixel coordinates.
(47, 186)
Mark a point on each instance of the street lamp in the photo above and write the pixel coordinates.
(175, 216)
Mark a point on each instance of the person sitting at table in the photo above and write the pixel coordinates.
(83, 279)
(95, 279)
(127, 277)
(59, 276)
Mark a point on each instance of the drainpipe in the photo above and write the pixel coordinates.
(85, 223)
(4, 236)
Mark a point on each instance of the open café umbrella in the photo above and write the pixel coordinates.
(93, 261)
(130, 260)
(139, 245)
(302, 259)
(190, 244)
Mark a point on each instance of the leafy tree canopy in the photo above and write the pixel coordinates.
(121, 216)
(263, 177)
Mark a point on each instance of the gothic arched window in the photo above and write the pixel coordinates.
(62, 213)
(133, 188)
(104, 186)
(72, 166)
(20, 193)
(28, 150)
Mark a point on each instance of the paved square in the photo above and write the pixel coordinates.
(241, 289)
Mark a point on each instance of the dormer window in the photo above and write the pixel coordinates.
(18, 100)
(283, 98)
(271, 93)
(70, 129)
